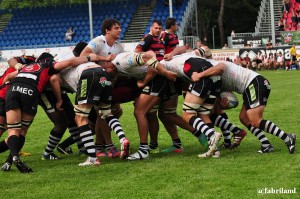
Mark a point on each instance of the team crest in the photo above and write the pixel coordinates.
(103, 81)
(31, 68)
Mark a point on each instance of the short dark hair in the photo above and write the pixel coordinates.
(170, 22)
(107, 24)
(157, 21)
(44, 56)
(79, 48)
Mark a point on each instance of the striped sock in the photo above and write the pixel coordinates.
(53, 140)
(198, 124)
(115, 125)
(260, 136)
(270, 127)
(143, 148)
(87, 138)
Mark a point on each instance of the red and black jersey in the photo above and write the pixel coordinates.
(4, 88)
(24, 59)
(149, 42)
(170, 41)
(36, 74)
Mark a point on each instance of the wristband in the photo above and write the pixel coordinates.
(88, 58)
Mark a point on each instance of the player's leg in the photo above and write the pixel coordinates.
(59, 120)
(259, 91)
(191, 106)
(86, 135)
(266, 146)
(143, 105)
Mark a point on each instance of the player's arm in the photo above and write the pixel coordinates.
(177, 51)
(56, 82)
(75, 61)
(87, 50)
(151, 73)
(215, 70)
(10, 77)
(151, 61)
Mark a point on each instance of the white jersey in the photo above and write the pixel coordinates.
(127, 66)
(71, 75)
(100, 47)
(234, 77)
(176, 64)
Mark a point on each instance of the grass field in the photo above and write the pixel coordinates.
(240, 173)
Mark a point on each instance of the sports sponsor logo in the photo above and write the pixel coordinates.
(20, 89)
(102, 81)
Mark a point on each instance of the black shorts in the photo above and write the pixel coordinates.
(257, 93)
(206, 86)
(2, 108)
(161, 87)
(48, 102)
(22, 96)
(94, 87)
(293, 58)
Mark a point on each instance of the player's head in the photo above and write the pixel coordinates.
(171, 23)
(156, 27)
(44, 57)
(112, 27)
(79, 48)
(199, 52)
(207, 52)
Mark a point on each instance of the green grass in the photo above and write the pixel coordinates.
(236, 174)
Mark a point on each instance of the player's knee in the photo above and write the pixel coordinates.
(117, 111)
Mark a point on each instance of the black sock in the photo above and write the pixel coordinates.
(177, 143)
(3, 146)
(13, 143)
(153, 145)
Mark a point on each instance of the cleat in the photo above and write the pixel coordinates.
(216, 153)
(125, 146)
(50, 156)
(154, 151)
(24, 154)
(226, 145)
(212, 145)
(238, 139)
(101, 153)
(267, 149)
(90, 162)
(22, 167)
(203, 141)
(173, 149)
(113, 152)
(291, 143)
(65, 151)
(6, 166)
(138, 156)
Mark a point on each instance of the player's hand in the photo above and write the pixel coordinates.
(168, 57)
(93, 57)
(59, 105)
(195, 77)
(111, 57)
(223, 102)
